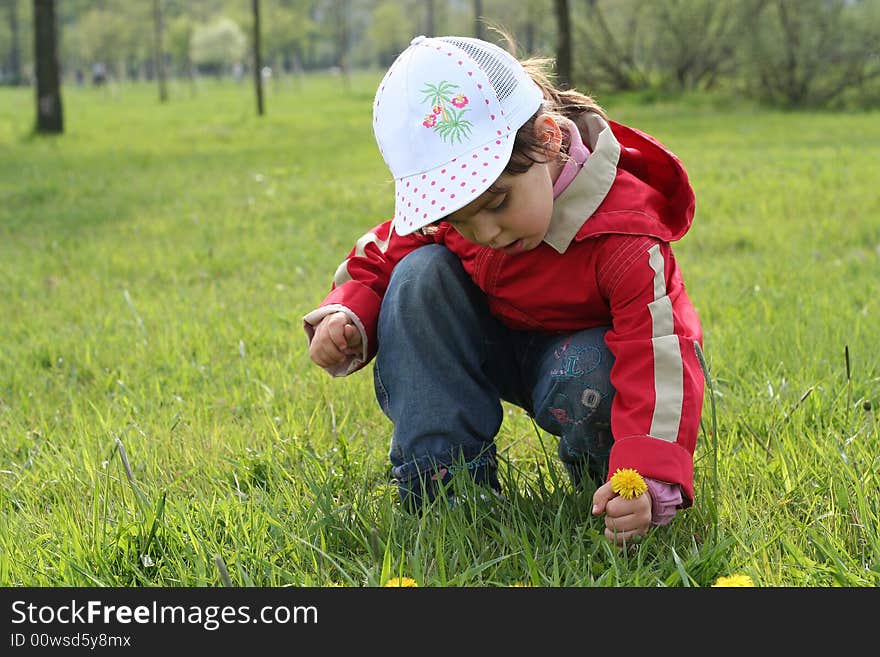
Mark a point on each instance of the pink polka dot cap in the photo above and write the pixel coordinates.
(445, 117)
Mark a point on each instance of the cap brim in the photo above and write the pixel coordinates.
(425, 197)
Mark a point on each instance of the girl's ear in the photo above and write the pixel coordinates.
(549, 134)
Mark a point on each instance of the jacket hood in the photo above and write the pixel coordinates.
(630, 184)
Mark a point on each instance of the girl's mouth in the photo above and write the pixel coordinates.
(514, 247)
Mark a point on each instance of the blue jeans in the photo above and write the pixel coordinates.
(444, 364)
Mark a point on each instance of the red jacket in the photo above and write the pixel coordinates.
(606, 261)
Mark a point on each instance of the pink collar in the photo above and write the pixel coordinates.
(578, 154)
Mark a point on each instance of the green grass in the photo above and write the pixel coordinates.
(160, 417)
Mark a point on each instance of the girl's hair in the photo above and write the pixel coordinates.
(558, 104)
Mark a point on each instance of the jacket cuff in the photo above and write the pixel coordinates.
(657, 459)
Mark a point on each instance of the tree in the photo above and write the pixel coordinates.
(340, 11)
(815, 53)
(14, 61)
(529, 43)
(389, 31)
(218, 44)
(429, 18)
(563, 44)
(694, 41)
(159, 52)
(613, 34)
(50, 118)
(180, 32)
(106, 38)
(258, 59)
(478, 19)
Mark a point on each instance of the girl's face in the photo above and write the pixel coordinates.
(513, 215)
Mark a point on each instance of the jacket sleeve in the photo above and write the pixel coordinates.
(655, 415)
(359, 285)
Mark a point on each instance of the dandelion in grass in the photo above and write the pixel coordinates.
(401, 581)
(734, 580)
(628, 483)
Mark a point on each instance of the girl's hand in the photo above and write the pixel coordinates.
(624, 519)
(335, 339)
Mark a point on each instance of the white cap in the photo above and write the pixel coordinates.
(445, 118)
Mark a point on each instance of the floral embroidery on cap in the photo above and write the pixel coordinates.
(446, 121)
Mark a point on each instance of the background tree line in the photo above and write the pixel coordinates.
(794, 53)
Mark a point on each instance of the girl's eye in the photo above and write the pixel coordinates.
(499, 204)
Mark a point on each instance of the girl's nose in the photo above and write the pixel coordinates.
(485, 231)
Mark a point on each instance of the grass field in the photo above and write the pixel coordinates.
(161, 423)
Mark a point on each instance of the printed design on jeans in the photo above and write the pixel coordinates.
(561, 415)
(447, 111)
(591, 398)
(567, 414)
(470, 466)
(574, 362)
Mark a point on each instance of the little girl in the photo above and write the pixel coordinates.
(528, 260)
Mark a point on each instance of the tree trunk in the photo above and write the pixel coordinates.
(429, 10)
(16, 77)
(343, 37)
(563, 45)
(530, 34)
(49, 111)
(258, 59)
(159, 54)
(478, 23)
(190, 65)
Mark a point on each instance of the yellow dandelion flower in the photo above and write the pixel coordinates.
(401, 581)
(734, 580)
(628, 483)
